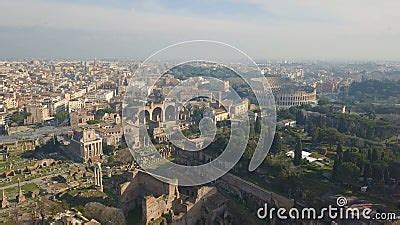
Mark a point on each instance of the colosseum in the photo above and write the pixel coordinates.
(289, 96)
(286, 93)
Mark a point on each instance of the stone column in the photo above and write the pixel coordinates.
(98, 176)
(95, 176)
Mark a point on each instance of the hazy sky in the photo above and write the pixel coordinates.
(265, 29)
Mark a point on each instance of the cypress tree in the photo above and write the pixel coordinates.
(298, 152)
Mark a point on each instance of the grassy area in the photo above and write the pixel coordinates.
(266, 183)
(30, 187)
(12, 192)
(16, 161)
(40, 173)
(87, 192)
(312, 182)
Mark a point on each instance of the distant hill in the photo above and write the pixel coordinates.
(376, 90)
(197, 69)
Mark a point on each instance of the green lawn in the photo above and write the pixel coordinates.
(30, 187)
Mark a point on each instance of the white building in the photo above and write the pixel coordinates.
(3, 113)
(86, 144)
(100, 95)
(75, 105)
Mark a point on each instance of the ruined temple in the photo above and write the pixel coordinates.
(161, 199)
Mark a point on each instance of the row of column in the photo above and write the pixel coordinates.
(93, 149)
(98, 176)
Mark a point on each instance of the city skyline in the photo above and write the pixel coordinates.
(173, 112)
(121, 29)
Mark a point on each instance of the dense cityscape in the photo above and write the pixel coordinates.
(201, 112)
(66, 158)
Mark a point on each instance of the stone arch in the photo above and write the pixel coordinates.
(183, 113)
(157, 114)
(144, 116)
(170, 113)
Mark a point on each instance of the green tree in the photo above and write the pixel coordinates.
(370, 155)
(300, 117)
(336, 166)
(290, 179)
(321, 121)
(379, 169)
(367, 171)
(20, 117)
(92, 122)
(277, 144)
(323, 101)
(61, 115)
(342, 126)
(102, 112)
(330, 136)
(338, 161)
(298, 152)
(339, 152)
(375, 155)
(349, 172)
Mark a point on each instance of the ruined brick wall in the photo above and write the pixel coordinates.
(156, 186)
(241, 187)
(153, 208)
(157, 198)
(193, 212)
(141, 184)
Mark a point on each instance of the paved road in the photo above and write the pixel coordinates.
(34, 133)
